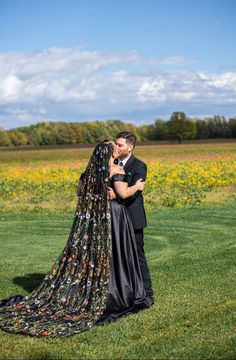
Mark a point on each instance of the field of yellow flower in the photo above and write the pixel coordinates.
(175, 177)
(188, 182)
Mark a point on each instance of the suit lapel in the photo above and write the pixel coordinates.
(129, 162)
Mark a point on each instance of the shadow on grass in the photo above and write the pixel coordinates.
(46, 356)
(29, 282)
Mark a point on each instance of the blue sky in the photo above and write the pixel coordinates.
(131, 60)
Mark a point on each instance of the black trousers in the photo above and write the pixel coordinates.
(143, 262)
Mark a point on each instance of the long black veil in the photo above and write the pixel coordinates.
(73, 294)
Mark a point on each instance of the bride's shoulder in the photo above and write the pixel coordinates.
(117, 170)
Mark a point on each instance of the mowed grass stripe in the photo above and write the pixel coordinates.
(191, 254)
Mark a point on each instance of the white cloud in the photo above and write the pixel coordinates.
(75, 84)
(225, 81)
(173, 60)
(10, 88)
(152, 90)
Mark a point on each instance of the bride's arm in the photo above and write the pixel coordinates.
(124, 191)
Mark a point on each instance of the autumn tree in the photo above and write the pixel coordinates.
(18, 138)
(4, 138)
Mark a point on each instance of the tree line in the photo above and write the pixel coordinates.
(179, 127)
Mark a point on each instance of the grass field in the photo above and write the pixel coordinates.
(191, 254)
(190, 151)
(190, 199)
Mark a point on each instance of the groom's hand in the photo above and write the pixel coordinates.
(111, 194)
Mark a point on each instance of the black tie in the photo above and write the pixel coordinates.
(121, 163)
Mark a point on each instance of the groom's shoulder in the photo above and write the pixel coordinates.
(138, 162)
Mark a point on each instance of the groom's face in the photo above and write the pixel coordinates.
(124, 148)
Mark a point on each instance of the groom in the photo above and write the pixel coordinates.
(135, 169)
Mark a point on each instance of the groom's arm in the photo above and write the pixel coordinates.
(139, 173)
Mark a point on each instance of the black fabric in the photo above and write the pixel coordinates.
(119, 177)
(143, 262)
(126, 292)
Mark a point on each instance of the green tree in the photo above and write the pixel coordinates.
(62, 132)
(201, 129)
(4, 138)
(232, 127)
(160, 130)
(180, 127)
(217, 127)
(143, 132)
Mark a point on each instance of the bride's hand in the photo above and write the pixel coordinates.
(111, 194)
(140, 184)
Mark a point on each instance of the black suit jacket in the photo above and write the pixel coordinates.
(135, 169)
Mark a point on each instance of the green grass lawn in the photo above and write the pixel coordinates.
(191, 254)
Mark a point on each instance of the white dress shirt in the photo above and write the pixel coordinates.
(124, 161)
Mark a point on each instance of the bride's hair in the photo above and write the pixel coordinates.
(112, 144)
(94, 178)
(97, 171)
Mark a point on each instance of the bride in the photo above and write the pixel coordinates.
(97, 277)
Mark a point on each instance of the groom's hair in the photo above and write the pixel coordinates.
(128, 136)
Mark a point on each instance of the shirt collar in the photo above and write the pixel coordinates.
(124, 161)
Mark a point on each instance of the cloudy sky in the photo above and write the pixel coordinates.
(133, 60)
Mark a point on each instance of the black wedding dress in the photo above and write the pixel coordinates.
(96, 277)
(126, 293)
